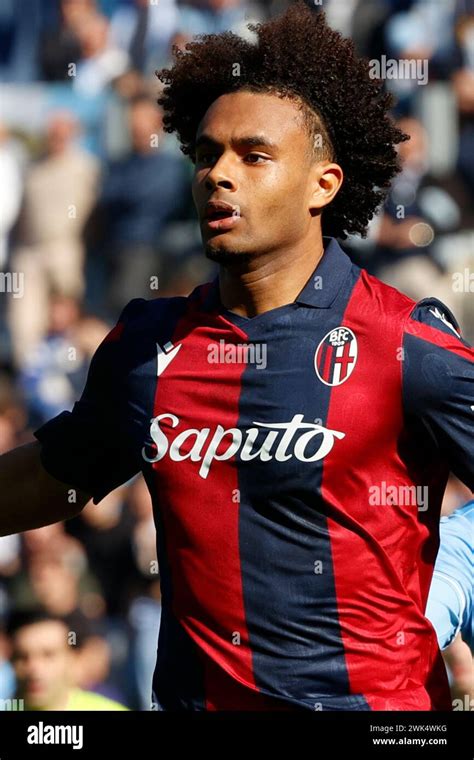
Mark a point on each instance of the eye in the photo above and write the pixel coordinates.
(205, 158)
(255, 155)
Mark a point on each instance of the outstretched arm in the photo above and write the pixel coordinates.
(29, 496)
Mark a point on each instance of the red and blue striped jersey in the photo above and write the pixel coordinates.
(296, 462)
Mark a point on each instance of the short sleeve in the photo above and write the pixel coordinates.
(89, 448)
(438, 383)
(444, 609)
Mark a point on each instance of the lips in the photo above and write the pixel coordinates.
(220, 210)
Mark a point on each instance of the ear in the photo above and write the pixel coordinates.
(326, 180)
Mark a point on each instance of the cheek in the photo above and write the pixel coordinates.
(197, 185)
(283, 211)
(56, 672)
(20, 670)
(194, 187)
(280, 192)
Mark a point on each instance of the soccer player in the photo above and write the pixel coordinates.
(44, 666)
(295, 419)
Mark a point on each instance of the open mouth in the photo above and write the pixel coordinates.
(211, 216)
(220, 216)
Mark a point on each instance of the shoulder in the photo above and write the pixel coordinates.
(389, 306)
(142, 312)
(433, 323)
(435, 314)
(142, 316)
(383, 303)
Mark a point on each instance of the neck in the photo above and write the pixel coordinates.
(61, 702)
(268, 281)
(58, 702)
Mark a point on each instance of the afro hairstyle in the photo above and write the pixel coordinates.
(297, 55)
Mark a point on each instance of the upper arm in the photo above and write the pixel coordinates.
(30, 496)
(438, 383)
(67, 500)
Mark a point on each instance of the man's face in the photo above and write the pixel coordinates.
(43, 663)
(145, 123)
(253, 152)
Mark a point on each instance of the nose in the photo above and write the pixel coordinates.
(33, 670)
(220, 176)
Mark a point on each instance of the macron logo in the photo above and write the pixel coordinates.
(439, 315)
(166, 356)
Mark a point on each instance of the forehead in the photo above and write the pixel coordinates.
(247, 113)
(45, 634)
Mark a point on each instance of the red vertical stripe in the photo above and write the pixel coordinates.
(202, 528)
(381, 553)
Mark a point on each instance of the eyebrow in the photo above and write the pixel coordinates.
(254, 141)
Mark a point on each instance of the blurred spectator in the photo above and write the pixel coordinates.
(144, 30)
(55, 373)
(45, 666)
(10, 192)
(418, 208)
(7, 674)
(144, 533)
(19, 34)
(120, 534)
(423, 31)
(129, 86)
(144, 617)
(10, 562)
(140, 194)
(54, 567)
(59, 193)
(12, 416)
(145, 609)
(100, 60)
(212, 16)
(59, 45)
(56, 577)
(105, 531)
(164, 55)
(463, 83)
(52, 538)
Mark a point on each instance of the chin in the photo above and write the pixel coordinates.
(35, 701)
(226, 255)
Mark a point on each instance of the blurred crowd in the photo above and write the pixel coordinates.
(96, 209)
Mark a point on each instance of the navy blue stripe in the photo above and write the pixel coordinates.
(291, 610)
(178, 680)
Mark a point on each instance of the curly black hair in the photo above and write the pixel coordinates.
(297, 55)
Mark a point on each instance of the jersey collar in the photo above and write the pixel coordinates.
(321, 289)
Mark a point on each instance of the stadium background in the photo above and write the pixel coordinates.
(96, 208)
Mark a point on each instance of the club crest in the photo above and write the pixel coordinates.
(336, 356)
